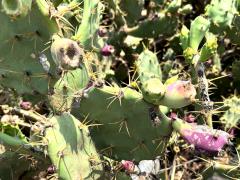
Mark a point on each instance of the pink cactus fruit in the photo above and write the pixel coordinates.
(128, 166)
(202, 137)
(189, 118)
(179, 94)
(173, 115)
(107, 50)
(26, 105)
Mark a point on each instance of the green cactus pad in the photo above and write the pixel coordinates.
(221, 12)
(22, 41)
(148, 67)
(199, 27)
(87, 31)
(127, 7)
(71, 82)
(123, 118)
(164, 24)
(231, 117)
(71, 149)
(184, 37)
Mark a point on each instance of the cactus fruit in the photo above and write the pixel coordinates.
(150, 76)
(107, 50)
(71, 149)
(178, 94)
(66, 53)
(202, 137)
(18, 8)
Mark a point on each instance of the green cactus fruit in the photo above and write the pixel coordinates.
(65, 88)
(150, 76)
(231, 117)
(122, 118)
(163, 24)
(22, 41)
(221, 12)
(178, 94)
(153, 90)
(184, 37)
(87, 32)
(209, 48)
(16, 8)
(199, 27)
(71, 149)
(66, 53)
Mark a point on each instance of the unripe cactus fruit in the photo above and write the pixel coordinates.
(66, 53)
(153, 90)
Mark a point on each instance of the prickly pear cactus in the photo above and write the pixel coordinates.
(71, 149)
(221, 12)
(128, 89)
(150, 77)
(22, 42)
(231, 117)
(122, 117)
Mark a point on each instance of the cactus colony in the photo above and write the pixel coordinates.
(85, 95)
